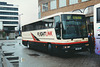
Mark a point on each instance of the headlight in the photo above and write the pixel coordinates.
(86, 44)
(66, 46)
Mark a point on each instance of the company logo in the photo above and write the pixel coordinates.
(98, 29)
(48, 33)
(98, 51)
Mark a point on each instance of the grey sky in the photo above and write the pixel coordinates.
(29, 9)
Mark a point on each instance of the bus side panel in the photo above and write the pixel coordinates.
(97, 29)
(57, 48)
(38, 45)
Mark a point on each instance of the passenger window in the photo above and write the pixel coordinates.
(98, 15)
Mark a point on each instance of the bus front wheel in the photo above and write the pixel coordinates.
(50, 49)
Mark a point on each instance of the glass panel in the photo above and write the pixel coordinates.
(62, 3)
(73, 2)
(74, 26)
(39, 12)
(57, 27)
(91, 19)
(53, 4)
(84, 0)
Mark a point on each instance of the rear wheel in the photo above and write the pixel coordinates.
(28, 45)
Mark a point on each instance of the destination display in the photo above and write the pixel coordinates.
(73, 17)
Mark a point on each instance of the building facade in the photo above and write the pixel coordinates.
(8, 20)
(49, 7)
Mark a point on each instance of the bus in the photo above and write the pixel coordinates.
(97, 28)
(61, 32)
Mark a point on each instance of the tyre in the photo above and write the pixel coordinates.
(28, 45)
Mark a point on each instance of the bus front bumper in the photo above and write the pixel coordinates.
(72, 48)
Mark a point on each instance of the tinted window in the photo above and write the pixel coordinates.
(43, 24)
(98, 15)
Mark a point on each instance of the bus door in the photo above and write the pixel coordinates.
(97, 28)
(57, 27)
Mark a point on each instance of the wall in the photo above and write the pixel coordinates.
(80, 5)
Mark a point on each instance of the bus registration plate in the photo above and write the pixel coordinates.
(78, 48)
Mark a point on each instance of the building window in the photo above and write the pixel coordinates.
(10, 22)
(39, 12)
(84, 0)
(8, 8)
(62, 3)
(9, 18)
(73, 2)
(44, 7)
(8, 13)
(53, 4)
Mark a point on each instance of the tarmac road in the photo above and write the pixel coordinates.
(32, 58)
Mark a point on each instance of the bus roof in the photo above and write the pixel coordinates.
(54, 15)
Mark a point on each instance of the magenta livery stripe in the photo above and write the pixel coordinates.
(58, 43)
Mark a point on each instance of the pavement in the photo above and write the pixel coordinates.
(5, 42)
(32, 58)
(0, 59)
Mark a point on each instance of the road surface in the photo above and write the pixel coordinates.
(32, 58)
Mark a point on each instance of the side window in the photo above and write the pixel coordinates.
(57, 27)
(48, 23)
(98, 15)
(23, 28)
(43, 24)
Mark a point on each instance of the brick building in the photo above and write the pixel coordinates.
(49, 7)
